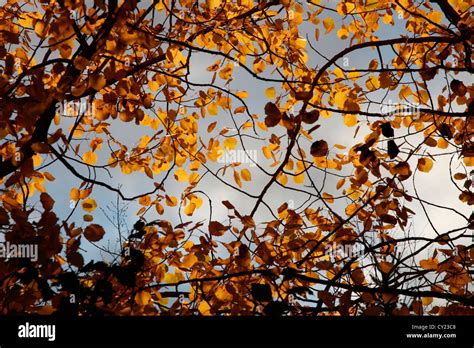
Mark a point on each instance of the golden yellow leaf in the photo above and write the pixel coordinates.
(74, 194)
(204, 308)
(354, 75)
(213, 4)
(425, 164)
(90, 157)
(468, 161)
(242, 94)
(299, 179)
(351, 209)
(405, 92)
(189, 260)
(340, 183)
(89, 204)
(37, 159)
(223, 295)
(230, 143)
(142, 298)
(258, 66)
(426, 300)
(226, 72)
(246, 175)
(435, 16)
(171, 201)
(154, 86)
(190, 208)
(237, 178)
(270, 92)
(353, 193)
(211, 127)
(343, 33)
(283, 179)
(372, 83)
(325, 114)
(213, 109)
(340, 98)
(300, 42)
(181, 175)
(442, 143)
(350, 120)
(328, 24)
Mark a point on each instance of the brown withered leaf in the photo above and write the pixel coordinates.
(217, 229)
(310, 117)
(273, 115)
(94, 232)
(319, 148)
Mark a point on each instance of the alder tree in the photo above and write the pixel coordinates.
(354, 118)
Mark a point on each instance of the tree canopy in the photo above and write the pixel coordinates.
(286, 157)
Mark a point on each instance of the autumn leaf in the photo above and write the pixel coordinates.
(385, 266)
(392, 149)
(310, 117)
(89, 205)
(142, 298)
(46, 201)
(216, 228)
(350, 120)
(425, 164)
(90, 157)
(245, 174)
(402, 169)
(387, 130)
(171, 201)
(273, 115)
(189, 260)
(94, 233)
(230, 143)
(429, 264)
(204, 308)
(319, 148)
(270, 92)
(303, 95)
(328, 24)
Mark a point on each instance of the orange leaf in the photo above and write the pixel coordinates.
(142, 298)
(430, 264)
(246, 175)
(425, 164)
(90, 157)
